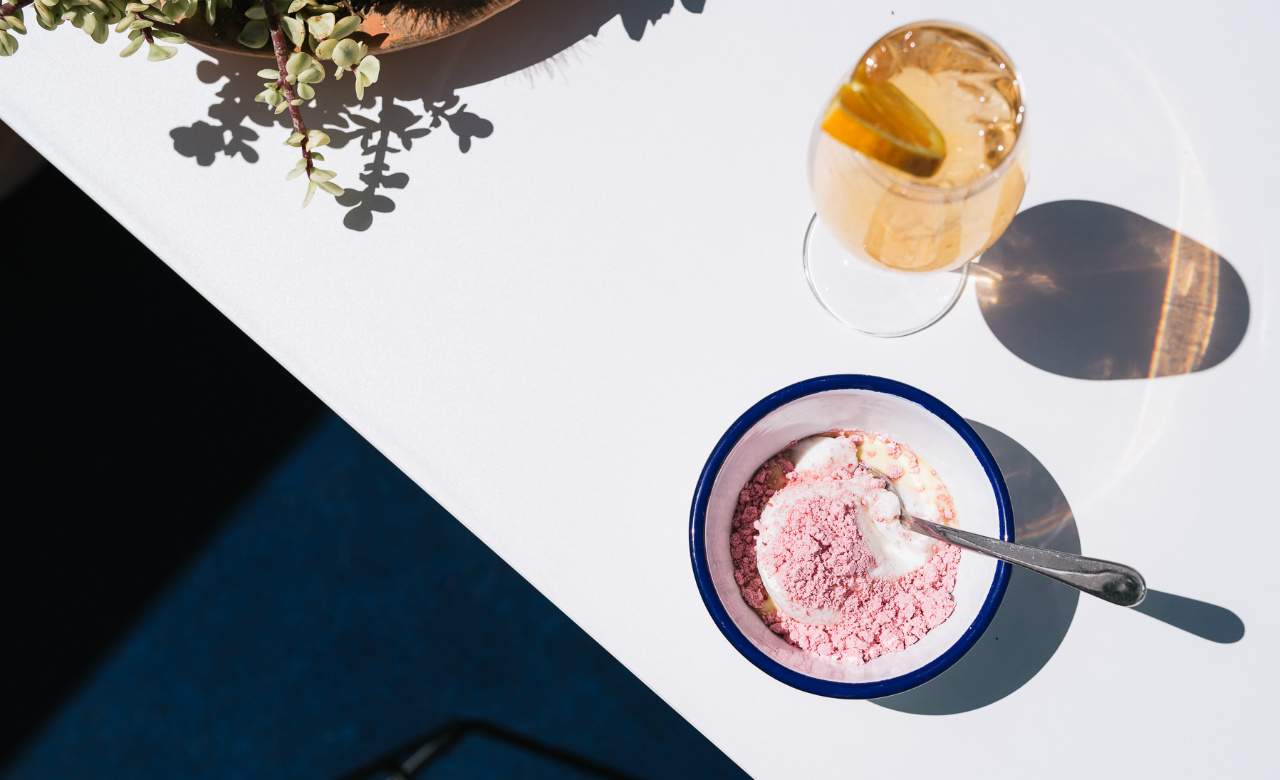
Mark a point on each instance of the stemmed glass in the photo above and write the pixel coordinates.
(916, 166)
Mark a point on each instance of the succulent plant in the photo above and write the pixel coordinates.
(307, 37)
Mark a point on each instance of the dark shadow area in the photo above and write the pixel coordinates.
(394, 131)
(137, 417)
(1092, 291)
(416, 757)
(208, 575)
(232, 132)
(417, 95)
(1205, 620)
(18, 161)
(339, 609)
(1036, 612)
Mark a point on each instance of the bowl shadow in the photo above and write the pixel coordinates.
(1036, 612)
(1092, 291)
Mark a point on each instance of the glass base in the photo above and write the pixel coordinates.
(876, 301)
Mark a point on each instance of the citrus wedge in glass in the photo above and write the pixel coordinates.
(878, 120)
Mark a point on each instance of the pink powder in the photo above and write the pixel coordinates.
(823, 563)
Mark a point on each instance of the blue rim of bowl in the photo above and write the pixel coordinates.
(702, 572)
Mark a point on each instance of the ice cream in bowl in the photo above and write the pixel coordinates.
(797, 547)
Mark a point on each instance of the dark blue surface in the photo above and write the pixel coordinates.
(210, 576)
(698, 547)
(339, 613)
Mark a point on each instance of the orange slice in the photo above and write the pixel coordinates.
(879, 120)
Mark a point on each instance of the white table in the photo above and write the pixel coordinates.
(551, 331)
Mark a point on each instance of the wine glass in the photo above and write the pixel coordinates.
(916, 166)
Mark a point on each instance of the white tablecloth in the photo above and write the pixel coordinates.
(550, 330)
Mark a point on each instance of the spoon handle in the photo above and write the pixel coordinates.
(1113, 582)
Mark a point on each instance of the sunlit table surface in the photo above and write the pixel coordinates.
(571, 259)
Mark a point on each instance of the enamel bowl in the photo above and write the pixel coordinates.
(941, 437)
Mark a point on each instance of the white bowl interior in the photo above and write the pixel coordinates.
(934, 441)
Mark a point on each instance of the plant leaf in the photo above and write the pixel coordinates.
(157, 52)
(370, 68)
(271, 74)
(177, 10)
(256, 12)
(311, 191)
(100, 30)
(317, 138)
(347, 53)
(45, 17)
(344, 27)
(132, 47)
(312, 74)
(333, 188)
(254, 35)
(325, 50)
(294, 30)
(319, 26)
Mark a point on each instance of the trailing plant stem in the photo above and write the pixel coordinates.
(280, 45)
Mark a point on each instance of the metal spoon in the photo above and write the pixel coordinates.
(1109, 581)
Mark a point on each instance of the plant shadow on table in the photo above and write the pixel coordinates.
(417, 96)
(1033, 619)
(1092, 291)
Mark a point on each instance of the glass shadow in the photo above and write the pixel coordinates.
(1093, 291)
